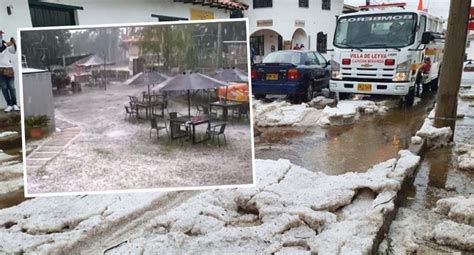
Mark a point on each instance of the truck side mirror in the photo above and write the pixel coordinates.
(426, 37)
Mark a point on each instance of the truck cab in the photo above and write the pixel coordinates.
(386, 53)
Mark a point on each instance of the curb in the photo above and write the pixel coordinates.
(419, 150)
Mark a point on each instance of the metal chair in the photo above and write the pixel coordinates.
(243, 110)
(211, 115)
(199, 110)
(130, 113)
(175, 128)
(217, 130)
(154, 125)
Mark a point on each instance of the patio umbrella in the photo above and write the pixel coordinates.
(188, 82)
(231, 75)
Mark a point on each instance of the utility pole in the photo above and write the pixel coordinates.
(219, 45)
(451, 69)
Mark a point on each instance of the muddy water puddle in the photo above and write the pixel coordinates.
(437, 178)
(13, 199)
(340, 149)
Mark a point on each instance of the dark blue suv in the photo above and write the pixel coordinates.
(295, 73)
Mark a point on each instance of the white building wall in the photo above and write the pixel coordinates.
(133, 11)
(98, 12)
(20, 17)
(284, 13)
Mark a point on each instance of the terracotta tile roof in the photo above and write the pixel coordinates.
(233, 4)
(227, 4)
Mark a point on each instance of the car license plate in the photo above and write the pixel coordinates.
(272, 76)
(364, 87)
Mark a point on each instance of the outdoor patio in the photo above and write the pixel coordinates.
(115, 152)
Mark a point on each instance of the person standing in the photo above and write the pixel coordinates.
(7, 74)
(297, 47)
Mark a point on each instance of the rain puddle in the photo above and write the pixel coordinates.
(431, 180)
(337, 150)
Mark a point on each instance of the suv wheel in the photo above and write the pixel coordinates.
(309, 94)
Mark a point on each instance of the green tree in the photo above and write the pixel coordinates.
(172, 44)
(44, 48)
(190, 46)
(98, 41)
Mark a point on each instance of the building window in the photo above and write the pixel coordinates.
(303, 3)
(321, 42)
(256, 43)
(51, 14)
(326, 5)
(235, 14)
(262, 3)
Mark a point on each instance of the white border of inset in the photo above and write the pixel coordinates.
(20, 74)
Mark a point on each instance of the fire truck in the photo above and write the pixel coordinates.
(386, 52)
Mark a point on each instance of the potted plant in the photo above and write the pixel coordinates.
(36, 124)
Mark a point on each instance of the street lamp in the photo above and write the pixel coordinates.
(104, 79)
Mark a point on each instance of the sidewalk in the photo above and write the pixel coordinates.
(438, 215)
(49, 149)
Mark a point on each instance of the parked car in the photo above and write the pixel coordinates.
(295, 73)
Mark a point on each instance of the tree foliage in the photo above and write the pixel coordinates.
(44, 48)
(99, 41)
(190, 46)
(172, 45)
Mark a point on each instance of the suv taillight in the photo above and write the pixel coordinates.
(254, 74)
(293, 74)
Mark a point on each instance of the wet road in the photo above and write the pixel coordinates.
(357, 147)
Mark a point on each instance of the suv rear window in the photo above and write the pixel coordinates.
(283, 57)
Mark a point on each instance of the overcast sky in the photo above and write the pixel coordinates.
(438, 8)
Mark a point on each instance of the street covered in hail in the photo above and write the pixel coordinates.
(362, 147)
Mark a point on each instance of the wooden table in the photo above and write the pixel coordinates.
(191, 122)
(225, 106)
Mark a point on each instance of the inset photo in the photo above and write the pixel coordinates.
(136, 107)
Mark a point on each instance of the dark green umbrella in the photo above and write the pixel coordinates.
(188, 82)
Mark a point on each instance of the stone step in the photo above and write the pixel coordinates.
(9, 119)
(10, 141)
(8, 158)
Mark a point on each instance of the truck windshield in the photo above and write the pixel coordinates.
(394, 30)
(283, 57)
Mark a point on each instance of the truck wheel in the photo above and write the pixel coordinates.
(410, 97)
(260, 96)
